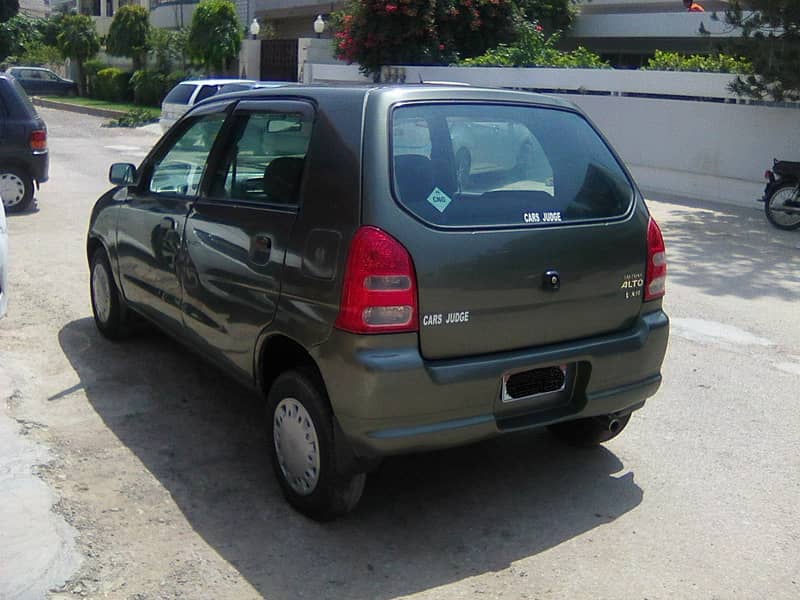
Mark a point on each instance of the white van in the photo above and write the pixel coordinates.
(188, 93)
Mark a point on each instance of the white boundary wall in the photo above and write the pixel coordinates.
(681, 134)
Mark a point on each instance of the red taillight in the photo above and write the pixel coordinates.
(769, 175)
(38, 140)
(380, 286)
(656, 280)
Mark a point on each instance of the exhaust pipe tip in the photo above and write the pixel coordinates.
(614, 425)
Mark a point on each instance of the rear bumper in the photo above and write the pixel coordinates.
(389, 400)
(39, 166)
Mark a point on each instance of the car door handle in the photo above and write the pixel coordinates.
(260, 249)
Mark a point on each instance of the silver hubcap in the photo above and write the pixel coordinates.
(12, 189)
(779, 212)
(296, 445)
(101, 293)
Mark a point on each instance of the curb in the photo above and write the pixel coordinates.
(85, 110)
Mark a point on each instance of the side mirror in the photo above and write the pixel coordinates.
(122, 174)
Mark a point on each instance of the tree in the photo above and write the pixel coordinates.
(17, 34)
(128, 35)
(215, 36)
(78, 40)
(168, 48)
(771, 40)
(8, 9)
(376, 32)
(552, 15)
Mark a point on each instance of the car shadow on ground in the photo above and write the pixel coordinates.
(425, 520)
(729, 250)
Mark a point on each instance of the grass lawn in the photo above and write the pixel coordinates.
(104, 104)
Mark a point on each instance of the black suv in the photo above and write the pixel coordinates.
(24, 159)
(396, 269)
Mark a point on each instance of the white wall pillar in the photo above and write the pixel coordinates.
(250, 59)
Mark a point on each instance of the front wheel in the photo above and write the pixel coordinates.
(586, 433)
(303, 451)
(16, 189)
(783, 207)
(108, 307)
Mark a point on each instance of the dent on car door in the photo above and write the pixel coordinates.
(237, 234)
(151, 222)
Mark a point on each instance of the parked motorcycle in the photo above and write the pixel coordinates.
(782, 194)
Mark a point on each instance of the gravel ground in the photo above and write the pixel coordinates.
(148, 468)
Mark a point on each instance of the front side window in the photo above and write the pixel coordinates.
(488, 165)
(266, 162)
(180, 170)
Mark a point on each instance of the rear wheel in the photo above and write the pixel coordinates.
(303, 451)
(110, 312)
(586, 433)
(777, 211)
(16, 189)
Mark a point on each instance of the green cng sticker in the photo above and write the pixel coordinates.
(439, 199)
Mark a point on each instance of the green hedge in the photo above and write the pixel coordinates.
(112, 84)
(149, 86)
(711, 63)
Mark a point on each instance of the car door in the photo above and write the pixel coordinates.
(151, 222)
(34, 82)
(52, 84)
(237, 232)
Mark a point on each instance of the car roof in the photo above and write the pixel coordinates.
(30, 68)
(218, 81)
(401, 92)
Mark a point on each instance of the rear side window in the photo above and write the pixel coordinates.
(206, 92)
(488, 165)
(180, 94)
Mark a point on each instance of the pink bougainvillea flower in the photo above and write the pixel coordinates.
(390, 8)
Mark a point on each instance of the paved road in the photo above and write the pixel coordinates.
(154, 463)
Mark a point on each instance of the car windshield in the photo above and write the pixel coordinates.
(180, 94)
(468, 165)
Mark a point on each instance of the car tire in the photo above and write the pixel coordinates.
(302, 446)
(16, 189)
(587, 433)
(778, 219)
(110, 313)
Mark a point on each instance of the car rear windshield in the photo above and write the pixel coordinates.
(180, 94)
(487, 165)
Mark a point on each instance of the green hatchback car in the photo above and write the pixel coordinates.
(332, 248)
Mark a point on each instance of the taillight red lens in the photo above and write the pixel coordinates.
(656, 280)
(38, 140)
(380, 286)
(769, 175)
